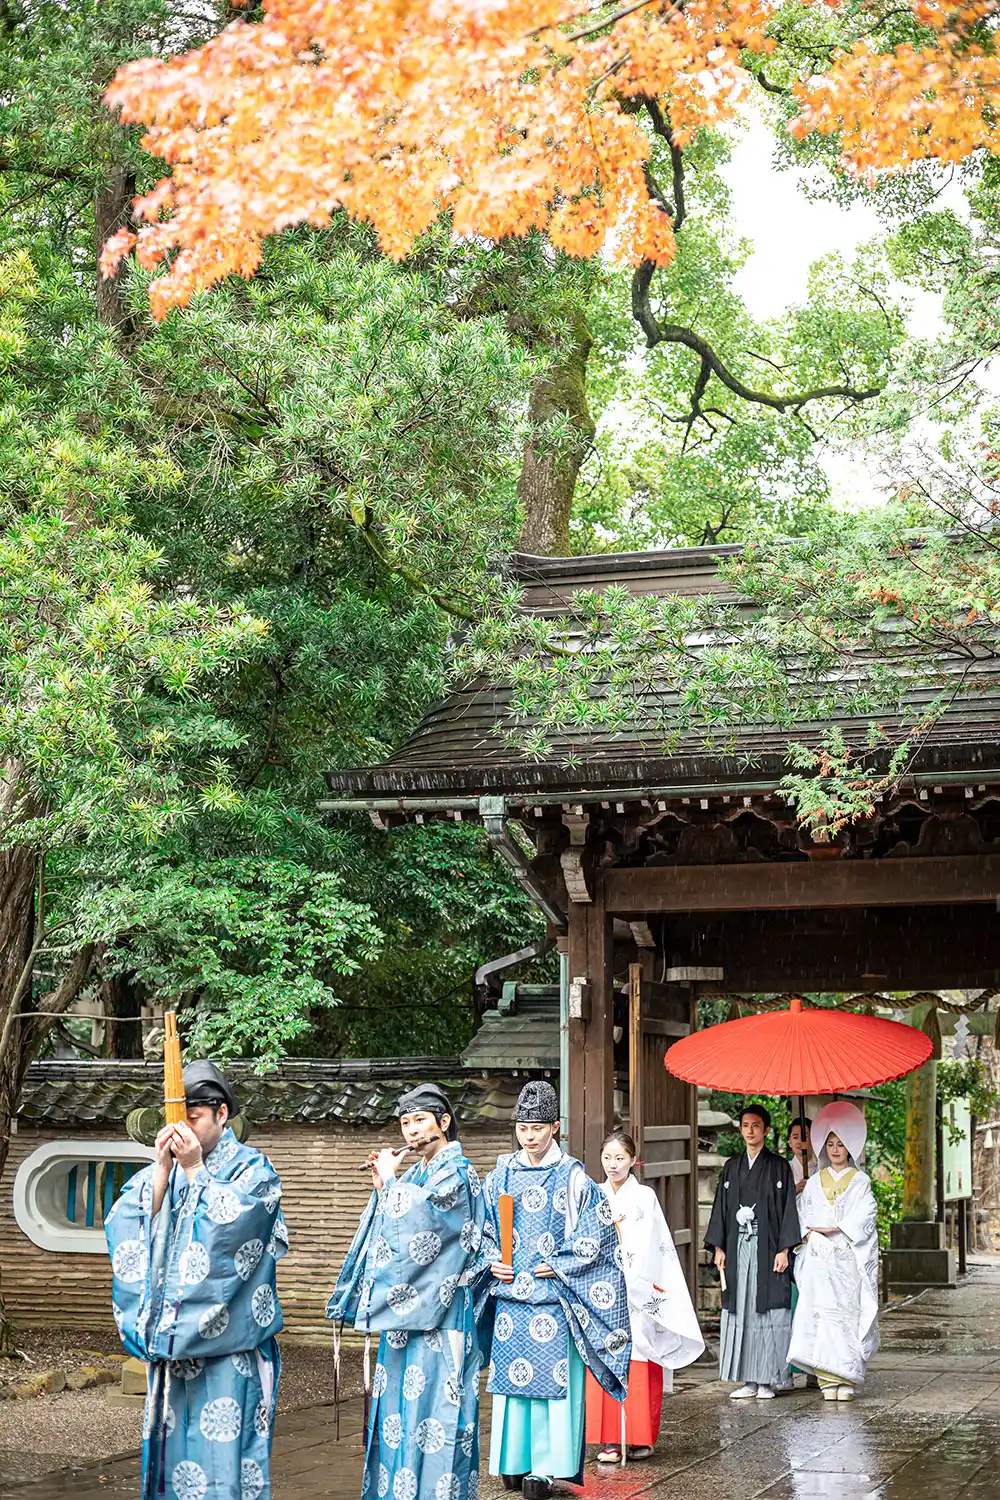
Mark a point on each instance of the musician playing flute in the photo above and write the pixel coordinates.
(558, 1308)
(407, 1276)
(194, 1241)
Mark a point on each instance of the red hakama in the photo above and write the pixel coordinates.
(643, 1406)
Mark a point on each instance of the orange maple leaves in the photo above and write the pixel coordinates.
(511, 115)
(913, 103)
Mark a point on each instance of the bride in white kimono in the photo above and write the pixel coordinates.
(835, 1328)
(665, 1331)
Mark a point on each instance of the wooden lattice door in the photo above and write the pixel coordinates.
(663, 1111)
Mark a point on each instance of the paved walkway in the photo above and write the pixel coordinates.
(927, 1428)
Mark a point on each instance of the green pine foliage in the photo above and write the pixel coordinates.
(231, 548)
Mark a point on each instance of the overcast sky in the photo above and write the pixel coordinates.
(789, 232)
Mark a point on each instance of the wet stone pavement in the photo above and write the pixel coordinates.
(926, 1428)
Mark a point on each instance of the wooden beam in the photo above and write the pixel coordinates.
(842, 977)
(667, 1133)
(880, 948)
(778, 887)
(693, 1207)
(578, 969)
(666, 1168)
(665, 1028)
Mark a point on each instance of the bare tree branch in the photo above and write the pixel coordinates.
(768, 86)
(661, 126)
(66, 991)
(712, 364)
(619, 15)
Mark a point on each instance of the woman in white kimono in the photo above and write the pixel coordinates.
(665, 1331)
(835, 1328)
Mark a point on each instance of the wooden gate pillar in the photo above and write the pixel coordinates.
(663, 1111)
(591, 1028)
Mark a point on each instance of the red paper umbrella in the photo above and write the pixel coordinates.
(798, 1051)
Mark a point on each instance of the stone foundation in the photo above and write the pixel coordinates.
(918, 1257)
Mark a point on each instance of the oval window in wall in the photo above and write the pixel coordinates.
(64, 1190)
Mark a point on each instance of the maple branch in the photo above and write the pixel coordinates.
(619, 15)
(764, 360)
(661, 127)
(869, 291)
(712, 364)
(710, 534)
(768, 86)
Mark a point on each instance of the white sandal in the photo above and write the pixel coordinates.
(609, 1456)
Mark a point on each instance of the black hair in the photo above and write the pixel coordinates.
(803, 1122)
(760, 1110)
(429, 1099)
(439, 1112)
(623, 1139)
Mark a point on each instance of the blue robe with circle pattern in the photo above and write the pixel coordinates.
(407, 1275)
(542, 1327)
(195, 1298)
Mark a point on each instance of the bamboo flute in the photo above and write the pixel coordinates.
(174, 1104)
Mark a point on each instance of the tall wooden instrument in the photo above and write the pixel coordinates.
(505, 1213)
(174, 1105)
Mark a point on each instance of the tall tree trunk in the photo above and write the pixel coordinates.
(20, 1037)
(112, 210)
(551, 465)
(17, 908)
(123, 996)
(921, 1122)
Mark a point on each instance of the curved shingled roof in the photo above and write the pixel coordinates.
(456, 750)
(354, 1091)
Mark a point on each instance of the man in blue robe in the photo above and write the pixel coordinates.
(407, 1275)
(561, 1307)
(194, 1242)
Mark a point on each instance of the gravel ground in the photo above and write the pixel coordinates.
(61, 1348)
(53, 1432)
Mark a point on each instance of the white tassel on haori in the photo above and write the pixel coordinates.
(368, 1375)
(337, 1332)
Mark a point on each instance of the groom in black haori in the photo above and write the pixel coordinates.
(753, 1229)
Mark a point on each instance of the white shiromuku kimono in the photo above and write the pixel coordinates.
(665, 1328)
(665, 1331)
(835, 1329)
